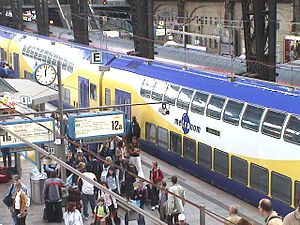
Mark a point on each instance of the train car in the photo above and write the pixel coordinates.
(241, 135)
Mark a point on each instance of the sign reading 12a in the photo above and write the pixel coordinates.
(45, 74)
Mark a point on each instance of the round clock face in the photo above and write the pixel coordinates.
(45, 74)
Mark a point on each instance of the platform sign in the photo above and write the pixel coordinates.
(30, 130)
(96, 57)
(96, 125)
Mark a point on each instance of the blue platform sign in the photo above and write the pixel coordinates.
(96, 125)
(31, 130)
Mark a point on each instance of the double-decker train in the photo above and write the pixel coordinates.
(241, 135)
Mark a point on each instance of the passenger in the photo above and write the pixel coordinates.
(156, 176)
(111, 203)
(141, 195)
(233, 217)
(104, 150)
(175, 204)
(72, 215)
(293, 54)
(88, 191)
(20, 204)
(70, 159)
(6, 156)
(75, 196)
(113, 180)
(266, 210)
(136, 129)
(121, 153)
(104, 168)
(181, 220)
(293, 218)
(297, 49)
(53, 198)
(135, 158)
(243, 221)
(163, 202)
(129, 179)
(101, 212)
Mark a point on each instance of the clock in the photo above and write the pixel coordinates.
(45, 74)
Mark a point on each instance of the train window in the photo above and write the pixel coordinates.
(292, 131)
(147, 87)
(171, 94)
(232, 112)
(67, 95)
(199, 102)
(214, 107)
(93, 91)
(150, 132)
(259, 178)
(189, 149)
(252, 117)
(184, 98)
(281, 187)
(45, 55)
(107, 97)
(159, 90)
(36, 53)
(273, 123)
(205, 155)
(175, 142)
(239, 170)
(297, 192)
(23, 51)
(162, 137)
(40, 54)
(221, 162)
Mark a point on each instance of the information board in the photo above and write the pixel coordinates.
(36, 131)
(96, 125)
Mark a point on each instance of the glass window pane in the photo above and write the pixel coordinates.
(171, 94)
(184, 98)
(189, 149)
(147, 87)
(107, 96)
(159, 90)
(214, 108)
(292, 131)
(252, 117)
(150, 132)
(281, 187)
(232, 112)
(259, 178)
(93, 91)
(199, 102)
(221, 162)
(205, 155)
(239, 170)
(297, 192)
(175, 142)
(162, 137)
(273, 123)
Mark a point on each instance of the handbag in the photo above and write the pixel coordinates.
(8, 200)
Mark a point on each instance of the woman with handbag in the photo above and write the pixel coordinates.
(20, 207)
(72, 216)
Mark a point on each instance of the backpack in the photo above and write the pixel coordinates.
(104, 173)
(274, 217)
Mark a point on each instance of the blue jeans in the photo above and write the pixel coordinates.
(85, 200)
(14, 218)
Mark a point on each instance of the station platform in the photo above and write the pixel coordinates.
(198, 191)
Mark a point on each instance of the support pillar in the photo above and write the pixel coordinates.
(41, 8)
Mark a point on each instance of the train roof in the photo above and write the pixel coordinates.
(253, 91)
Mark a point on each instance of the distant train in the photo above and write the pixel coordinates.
(241, 135)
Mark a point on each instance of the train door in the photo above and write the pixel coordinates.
(16, 65)
(123, 97)
(83, 92)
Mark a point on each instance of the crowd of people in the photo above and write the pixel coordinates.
(6, 71)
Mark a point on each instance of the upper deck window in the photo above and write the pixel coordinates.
(232, 112)
(171, 94)
(292, 131)
(215, 106)
(184, 98)
(252, 117)
(273, 124)
(159, 90)
(147, 87)
(199, 102)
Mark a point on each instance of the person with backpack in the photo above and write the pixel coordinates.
(266, 210)
(111, 203)
(104, 168)
(101, 212)
(293, 218)
(156, 176)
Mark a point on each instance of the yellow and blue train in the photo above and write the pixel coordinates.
(241, 135)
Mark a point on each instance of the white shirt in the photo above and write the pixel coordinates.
(73, 218)
(18, 200)
(88, 188)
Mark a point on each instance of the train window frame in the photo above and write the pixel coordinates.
(164, 140)
(148, 135)
(202, 147)
(171, 143)
(238, 118)
(296, 192)
(107, 99)
(148, 82)
(93, 91)
(268, 131)
(219, 170)
(276, 185)
(189, 156)
(171, 99)
(287, 127)
(180, 103)
(155, 94)
(213, 113)
(268, 178)
(196, 109)
(247, 126)
(245, 172)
